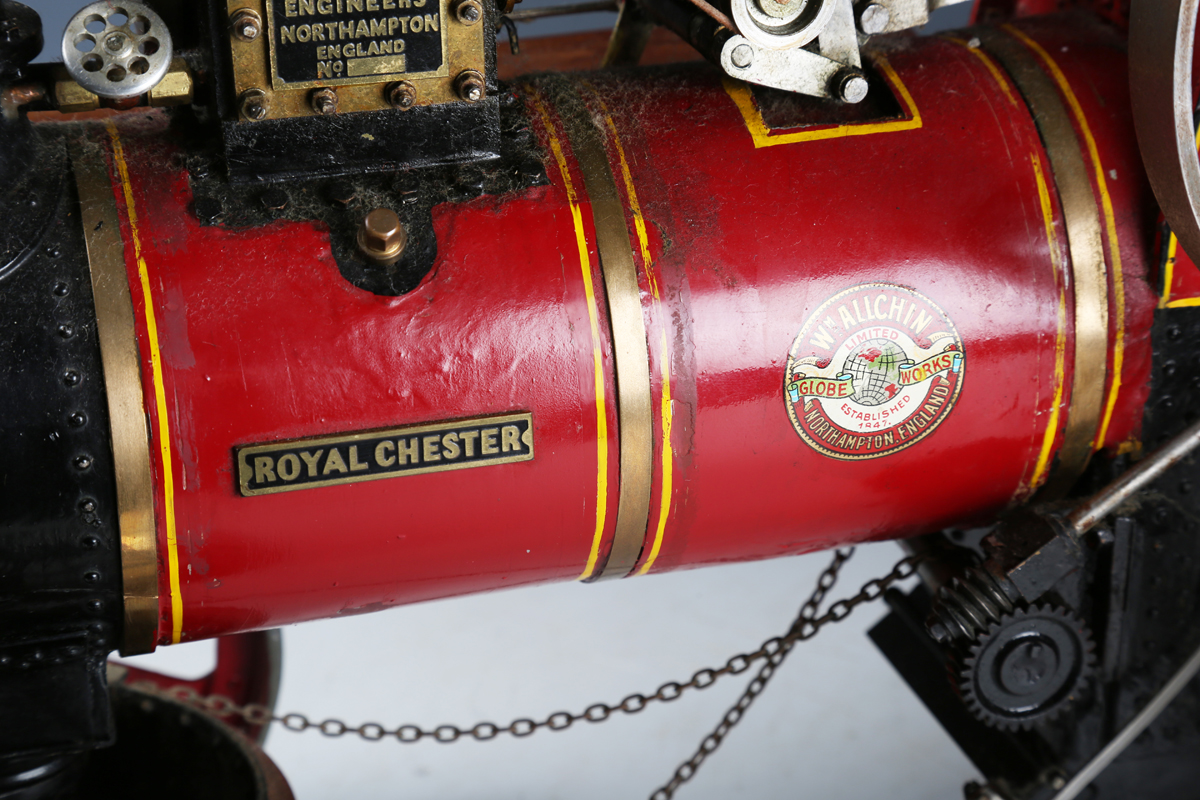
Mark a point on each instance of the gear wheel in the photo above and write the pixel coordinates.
(1026, 667)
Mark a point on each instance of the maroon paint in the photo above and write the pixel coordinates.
(262, 340)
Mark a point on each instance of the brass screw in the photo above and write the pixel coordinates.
(255, 104)
(468, 12)
(382, 237)
(402, 94)
(469, 85)
(324, 101)
(246, 24)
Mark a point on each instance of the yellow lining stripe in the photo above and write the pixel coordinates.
(639, 224)
(585, 266)
(992, 67)
(763, 137)
(1114, 246)
(160, 393)
(1169, 269)
(1060, 342)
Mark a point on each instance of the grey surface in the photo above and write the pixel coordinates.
(837, 722)
(55, 14)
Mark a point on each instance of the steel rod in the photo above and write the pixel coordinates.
(1099, 505)
(714, 13)
(1131, 731)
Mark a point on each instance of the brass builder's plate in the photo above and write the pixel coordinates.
(357, 47)
(371, 455)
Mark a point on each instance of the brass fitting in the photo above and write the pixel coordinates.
(381, 237)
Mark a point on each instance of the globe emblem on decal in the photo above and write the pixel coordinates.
(877, 368)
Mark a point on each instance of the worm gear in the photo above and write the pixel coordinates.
(1026, 667)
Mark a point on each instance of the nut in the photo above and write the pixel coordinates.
(468, 12)
(324, 101)
(255, 104)
(246, 24)
(402, 94)
(873, 19)
(469, 85)
(381, 237)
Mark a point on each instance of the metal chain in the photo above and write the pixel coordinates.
(802, 629)
(808, 612)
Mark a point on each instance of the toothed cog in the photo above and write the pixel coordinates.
(1026, 667)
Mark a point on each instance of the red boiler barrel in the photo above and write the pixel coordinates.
(735, 325)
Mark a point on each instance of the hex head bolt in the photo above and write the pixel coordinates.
(469, 85)
(468, 12)
(381, 237)
(255, 104)
(245, 24)
(402, 94)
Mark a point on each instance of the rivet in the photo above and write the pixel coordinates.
(874, 19)
(71, 378)
(66, 330)
(53, 252)
(342, 193)
(274, 199)
(91, 577)
(742, 56)
(87, 505)
(61, 289)
(851, 86)
(82, 462)
(208, 210)
(91, 542)
(77, 420)
(95, 606)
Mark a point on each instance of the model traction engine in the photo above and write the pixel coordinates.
(271, 269)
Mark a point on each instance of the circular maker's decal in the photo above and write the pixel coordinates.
(874, 370)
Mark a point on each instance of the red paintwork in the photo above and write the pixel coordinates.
(1092, 58)
(246, 673)
(994, 11)
(263, 340)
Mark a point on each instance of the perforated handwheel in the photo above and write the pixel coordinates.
(117, 49)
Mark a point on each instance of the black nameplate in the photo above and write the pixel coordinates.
(354, 41)
(352, 457)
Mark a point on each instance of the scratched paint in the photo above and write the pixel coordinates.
(743, 243)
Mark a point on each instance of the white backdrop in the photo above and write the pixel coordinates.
(836, 722)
